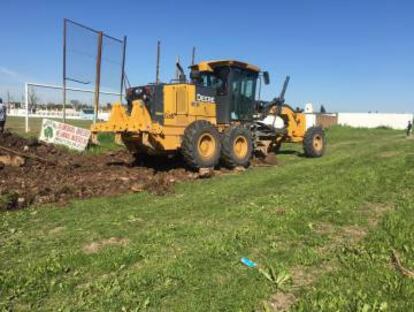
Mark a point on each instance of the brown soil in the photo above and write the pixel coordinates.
(57, 229)
(389, 154)
(374, 212)
(61, 175)
(55, 175)
(282, 301)
(94, 247)
(268, 161)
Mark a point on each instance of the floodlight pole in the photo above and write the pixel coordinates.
(98, 75)
(64, 71)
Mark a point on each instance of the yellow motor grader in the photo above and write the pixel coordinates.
(211, 118)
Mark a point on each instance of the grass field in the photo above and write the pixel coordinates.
(321, 230)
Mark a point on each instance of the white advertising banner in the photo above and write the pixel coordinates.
(60, 133)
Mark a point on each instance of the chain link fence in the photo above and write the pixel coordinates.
(94, 60)
(93, 79)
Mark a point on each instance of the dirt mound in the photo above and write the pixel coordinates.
(8, 139)
(52, 174)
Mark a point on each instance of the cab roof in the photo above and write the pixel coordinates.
(209, 65)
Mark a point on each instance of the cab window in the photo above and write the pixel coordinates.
(244, 84)
(248, 87)
(243, 87)
(216, 80)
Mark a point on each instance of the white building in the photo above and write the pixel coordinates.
(359, 120)
(374, 120)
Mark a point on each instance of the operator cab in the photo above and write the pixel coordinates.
(234, 85)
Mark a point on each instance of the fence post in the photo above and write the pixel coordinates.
(123, 68)
(98, 76)
(26, 99)
(64, 70)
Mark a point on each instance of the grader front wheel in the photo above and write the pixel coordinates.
(201, 146)
(237, 147)
(314, 142)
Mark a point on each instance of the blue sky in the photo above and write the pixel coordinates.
(348, 55)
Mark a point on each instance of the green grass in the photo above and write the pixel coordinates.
(328, 223)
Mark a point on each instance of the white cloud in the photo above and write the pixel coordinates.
(8, 74)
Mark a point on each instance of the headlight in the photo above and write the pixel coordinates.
(138, 91)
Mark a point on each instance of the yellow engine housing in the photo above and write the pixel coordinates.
(140, 133)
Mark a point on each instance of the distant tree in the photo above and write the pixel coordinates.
(9, 99)
(76, 104)
(33, 100)
(108, 106)
(323, 110)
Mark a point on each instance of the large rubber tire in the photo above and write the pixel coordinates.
(314, 142)
(201, 145)
(237, 147)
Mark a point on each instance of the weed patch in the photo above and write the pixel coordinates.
(95, 247)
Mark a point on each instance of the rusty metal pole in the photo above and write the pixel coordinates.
(64, 71)
(157, 72)
(98, 76)
(123, 68)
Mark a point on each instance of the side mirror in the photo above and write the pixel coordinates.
(266, 77)
(195, 75)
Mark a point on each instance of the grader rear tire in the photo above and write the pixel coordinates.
(314, 142)
(201, 146)
(237, 147)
